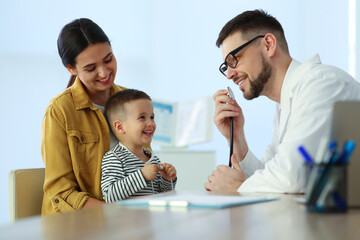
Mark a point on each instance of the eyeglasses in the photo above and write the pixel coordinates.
(230, 60)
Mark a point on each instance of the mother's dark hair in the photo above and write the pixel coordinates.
(75, 37)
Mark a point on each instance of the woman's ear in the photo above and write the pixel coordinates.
(71, 70)
(118, 126)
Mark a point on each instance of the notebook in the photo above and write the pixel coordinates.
(346, 126)
(192, 200)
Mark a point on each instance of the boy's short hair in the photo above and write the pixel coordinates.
(115, 105)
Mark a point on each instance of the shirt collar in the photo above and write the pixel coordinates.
(294, 70)
(80, 96)
(146, 150)
(285, 93)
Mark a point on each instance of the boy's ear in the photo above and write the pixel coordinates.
(118, 126)
(71, 70)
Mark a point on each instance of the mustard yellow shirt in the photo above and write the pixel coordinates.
(74, 138)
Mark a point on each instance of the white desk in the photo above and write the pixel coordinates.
(279, 219)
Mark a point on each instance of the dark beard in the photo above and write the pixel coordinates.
(257, 86)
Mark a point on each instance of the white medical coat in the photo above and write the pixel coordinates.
(303, 117)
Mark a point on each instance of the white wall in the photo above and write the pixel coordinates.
(164, 47)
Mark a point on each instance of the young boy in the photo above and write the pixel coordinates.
(129, 169)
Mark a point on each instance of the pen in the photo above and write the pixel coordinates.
(319, 185)
(323, 200)
(328, 154)
(327, 182)
(339, 201)
(321, 150)
(305, 154)
(309, 170)
(347, 151)
(315, 176)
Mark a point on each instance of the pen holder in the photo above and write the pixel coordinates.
(326, 187)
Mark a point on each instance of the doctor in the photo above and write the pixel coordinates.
(257, 60)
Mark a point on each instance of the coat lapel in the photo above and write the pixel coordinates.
(285, 110)
(292, 77)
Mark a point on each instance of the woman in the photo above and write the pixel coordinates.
(75, 133)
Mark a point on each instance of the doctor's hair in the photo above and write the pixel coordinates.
(115, 105)
(251, 24)
(75, 37)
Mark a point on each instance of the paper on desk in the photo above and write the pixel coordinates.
(194, 201)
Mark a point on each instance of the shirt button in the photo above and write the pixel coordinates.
(56, 200)
(82, 139)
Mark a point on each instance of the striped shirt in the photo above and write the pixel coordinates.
(122, 178)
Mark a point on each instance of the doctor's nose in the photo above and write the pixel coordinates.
(231, 73)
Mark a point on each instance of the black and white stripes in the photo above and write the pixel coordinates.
(122, 178)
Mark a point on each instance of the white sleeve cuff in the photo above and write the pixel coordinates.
(250, 164)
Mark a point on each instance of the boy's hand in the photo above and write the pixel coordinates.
(149, 171)
(167, 170)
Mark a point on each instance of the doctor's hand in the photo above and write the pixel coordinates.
(226, 179)
(225, 107)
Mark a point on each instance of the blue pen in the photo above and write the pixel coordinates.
(322, 178)
(350, 149)
(341, 204)
(332, 149)
(347, 151)
(305, 155)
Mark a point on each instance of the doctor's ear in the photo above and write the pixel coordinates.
(270, 44)
(118, 126)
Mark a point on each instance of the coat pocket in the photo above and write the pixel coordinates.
(83, 145)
